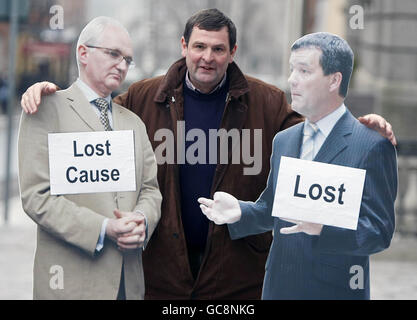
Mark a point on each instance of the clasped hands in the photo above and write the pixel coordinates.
(127, 230)
(225, 208)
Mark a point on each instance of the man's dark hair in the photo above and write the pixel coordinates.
(337, 56)
(210, 20)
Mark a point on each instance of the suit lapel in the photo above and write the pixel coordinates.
(82, 107)
(116, 114)
(295, 141)
(336, 140)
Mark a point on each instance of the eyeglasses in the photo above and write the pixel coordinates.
(116, 55)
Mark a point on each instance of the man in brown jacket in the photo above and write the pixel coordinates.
(188, 257)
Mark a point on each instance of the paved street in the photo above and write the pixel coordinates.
(17, 245)
(393, 272)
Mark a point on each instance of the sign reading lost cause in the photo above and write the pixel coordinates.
(87, 162)
(319, 192)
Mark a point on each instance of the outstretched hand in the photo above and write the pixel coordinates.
(224, 208)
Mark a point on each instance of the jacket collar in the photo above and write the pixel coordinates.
(336, 141)
(334, 144)
(295, 140)
(82, 107)
(175, 75)
(79, 103)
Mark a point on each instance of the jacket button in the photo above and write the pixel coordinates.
(175, 235)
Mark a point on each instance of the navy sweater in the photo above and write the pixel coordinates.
(203, 112)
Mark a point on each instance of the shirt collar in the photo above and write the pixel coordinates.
(89, 93)
(192, 87)
(327, 123)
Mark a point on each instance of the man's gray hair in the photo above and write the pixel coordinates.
(337, 56)
(93, 30)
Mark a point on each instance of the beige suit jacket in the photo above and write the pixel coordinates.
(66, 264)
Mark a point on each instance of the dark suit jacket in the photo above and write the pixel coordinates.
(300, 266)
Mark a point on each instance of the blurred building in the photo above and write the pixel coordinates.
(384, 80)
(387, 66)
(44, 51)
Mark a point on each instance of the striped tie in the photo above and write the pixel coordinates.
(103, 105)
(310, 131)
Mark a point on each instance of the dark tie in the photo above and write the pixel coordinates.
(103, 105)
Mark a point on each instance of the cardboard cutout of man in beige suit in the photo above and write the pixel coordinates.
(92, 241)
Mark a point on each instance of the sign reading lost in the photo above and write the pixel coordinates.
(87, 162)
(319, 192)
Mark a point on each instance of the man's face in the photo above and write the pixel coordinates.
(207, 55)
(102, 72)
(309, 86)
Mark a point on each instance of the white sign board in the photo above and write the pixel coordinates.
(318, 192)
(89, 162)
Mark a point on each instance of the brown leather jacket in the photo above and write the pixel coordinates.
(230, 269)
